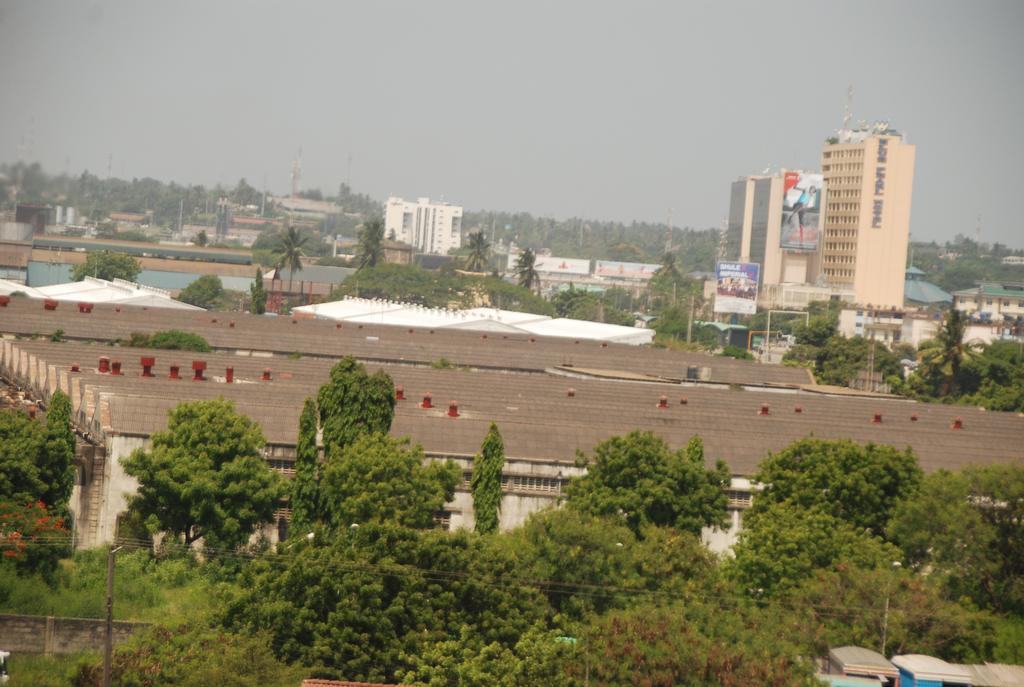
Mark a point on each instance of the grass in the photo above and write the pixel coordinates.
(31, 670)
(145, 589)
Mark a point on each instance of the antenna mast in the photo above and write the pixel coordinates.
(848, 110)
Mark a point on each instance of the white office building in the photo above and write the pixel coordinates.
(429, 227)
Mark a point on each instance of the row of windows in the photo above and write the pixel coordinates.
(840, 260)
(840, 233)
(843, 207)
(844, 193)
(842, 219)
(541, 485)
(844, 167)
(846, 154)
(837, 274)
(840, 246)
(832, 181)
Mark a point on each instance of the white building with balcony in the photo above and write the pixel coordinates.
(431, 227)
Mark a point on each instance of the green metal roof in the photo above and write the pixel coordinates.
(140, 249)
(924, 292)
(994, 289)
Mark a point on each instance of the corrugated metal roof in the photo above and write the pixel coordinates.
(859, 659)
(924, 667)
(994, 674)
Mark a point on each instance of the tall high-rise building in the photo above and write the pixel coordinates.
(430, 227)
(869, 174)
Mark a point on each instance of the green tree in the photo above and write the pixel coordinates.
(848, 605)
(305, 501)
(365, 603)
(371, 244)
(486, 482)
(380, 479)
(943, 358)
(784, 544)
(57, 469)
(526, 271)
(665, 646)
(205, 475)
(258, 294)
(22, 453)
(858, 484)
(841, 359)
(479, 252)
(669, 269)
(636, 477)
(204, 292)
(968, 529)
(202, 239)
(353, 403)
(817, 330)
(291, 248)
(104, 264)
(191, 656)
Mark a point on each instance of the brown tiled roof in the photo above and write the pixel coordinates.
(537, 417)
(386, 344)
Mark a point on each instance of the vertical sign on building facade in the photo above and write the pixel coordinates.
(880, 160)
(801, 209)
(736, 289)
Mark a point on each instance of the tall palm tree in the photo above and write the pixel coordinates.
(948, 352)
(479, 252)
(526, 272)
(290, 250)
(371, 244)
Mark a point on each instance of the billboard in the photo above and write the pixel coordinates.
(801, 211)
(736, 287)
(625, 270)
(551, 264)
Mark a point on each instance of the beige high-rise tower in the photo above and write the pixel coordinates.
(869, 175)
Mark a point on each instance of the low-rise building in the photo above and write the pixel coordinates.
(995, 301)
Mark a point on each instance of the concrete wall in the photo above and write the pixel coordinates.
(36, 634)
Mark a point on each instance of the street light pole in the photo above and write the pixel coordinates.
(108, 647)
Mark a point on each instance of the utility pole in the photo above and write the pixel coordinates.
(689, 321)
(108, 647)
(181, 209)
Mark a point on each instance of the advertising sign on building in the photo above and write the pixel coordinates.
(625, 270)
(736, 289)
(801, 211)
(551, 264)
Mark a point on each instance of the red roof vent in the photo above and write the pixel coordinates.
(197, 370)
(147, 366)
(213, 320)
(798, 409)
(533, 340)
(229, 375)
(427, 401)
(913, 417)
(174, 372)
(764, 409)
(412, 331)
(877, 419)
(50, 304)
(683, 400)
(663, 402)
(294, 321)
(104, 366)
(85, 307)
(604, 344)
(576, 341)
(117, 308)
(231, 324)
(266, 374)
(958, 423)
(338, 325)
(74, 367)
(399, 393)
(453, 409)
(483, 336)
(4, 300)
(571, 393)
(115, 367)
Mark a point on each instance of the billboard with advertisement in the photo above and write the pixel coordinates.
(801, 211)
(625, 270)
(736, 287)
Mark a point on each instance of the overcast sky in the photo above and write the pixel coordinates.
(593, 109)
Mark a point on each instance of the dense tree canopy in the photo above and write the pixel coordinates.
(858, 484)
(305, 487)
(638, 478)
(204, 476)
(379, 479)
(353, 403)
(104, 264)
(968, 529)
(205, 292)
